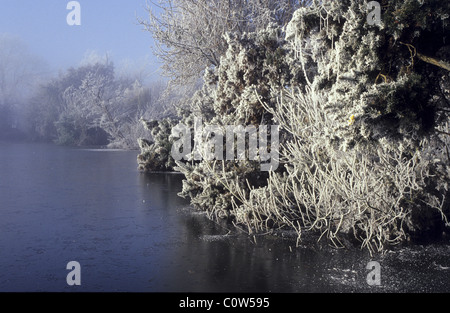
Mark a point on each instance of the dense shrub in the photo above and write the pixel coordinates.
(364, 116)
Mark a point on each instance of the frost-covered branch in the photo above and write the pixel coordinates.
(189, 33)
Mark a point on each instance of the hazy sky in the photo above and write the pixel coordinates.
(107, 26)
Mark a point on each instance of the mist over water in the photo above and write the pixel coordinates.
(131, 232)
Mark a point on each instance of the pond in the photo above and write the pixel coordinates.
(130, 232)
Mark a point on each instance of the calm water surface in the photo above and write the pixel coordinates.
(131, 232)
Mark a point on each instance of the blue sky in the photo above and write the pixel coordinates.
(107, 26)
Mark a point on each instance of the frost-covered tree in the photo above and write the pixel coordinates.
(253, 64)
(90, 105)
(100, 102)
(368, 154)
(383, 77)
(189, 33)
(55, 115)
(155, 154)
(364, 116)
(156, 144)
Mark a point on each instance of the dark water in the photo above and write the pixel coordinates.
(130, 232)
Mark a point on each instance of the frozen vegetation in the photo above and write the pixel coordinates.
(362, 106)
(87, 105)
(363, 111)
(91, 105)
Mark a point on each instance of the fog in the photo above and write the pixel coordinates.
(46, 59)
(20, 72)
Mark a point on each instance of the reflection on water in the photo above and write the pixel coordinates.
(131, 232)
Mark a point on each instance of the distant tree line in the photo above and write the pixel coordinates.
(85, 105)
(89, 105)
